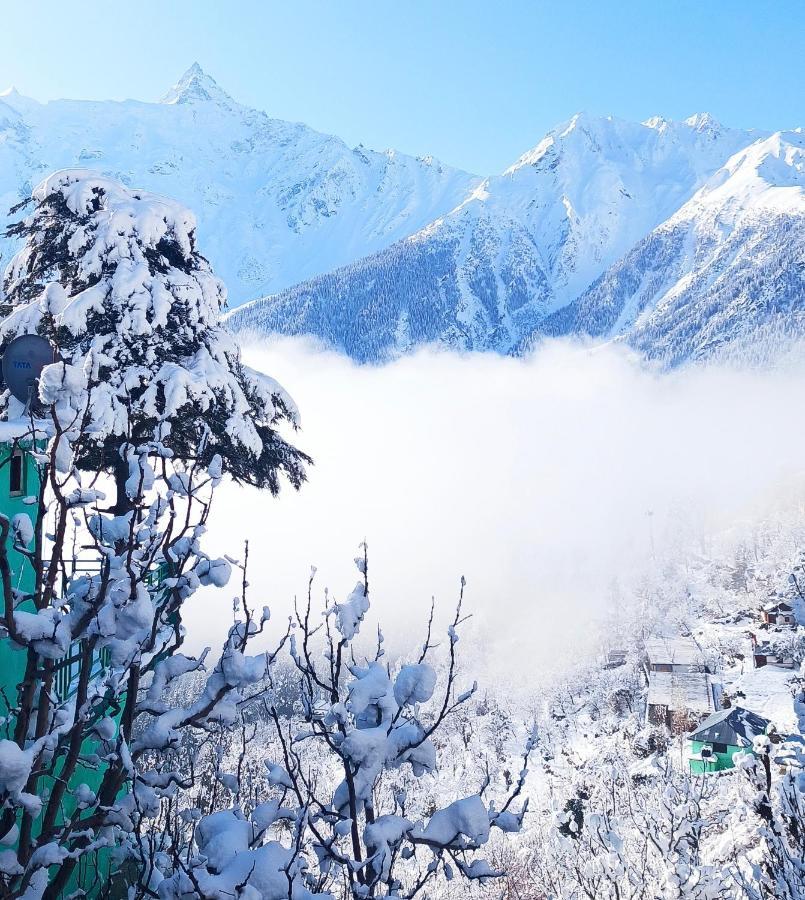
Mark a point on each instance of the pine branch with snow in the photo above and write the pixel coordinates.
(114, 279)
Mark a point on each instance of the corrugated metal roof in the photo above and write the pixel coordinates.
(681, 690)
(680, 651)
(735, 726)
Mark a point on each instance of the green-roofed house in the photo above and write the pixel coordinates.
(720, 736)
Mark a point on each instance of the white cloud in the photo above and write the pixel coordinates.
(533, 478)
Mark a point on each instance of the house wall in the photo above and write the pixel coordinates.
(657, 715)
(764, 659)
(23, 576)
(13, 660)
(778, 618)
(683, 720)
(676, 667)
(22, 572)
(677, 721)
(718, 762)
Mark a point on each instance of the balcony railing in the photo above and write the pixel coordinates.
(68, 668)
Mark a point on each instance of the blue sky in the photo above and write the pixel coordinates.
(473, 83)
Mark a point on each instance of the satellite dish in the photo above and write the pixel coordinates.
(23, 361)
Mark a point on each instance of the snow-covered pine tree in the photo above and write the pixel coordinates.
(92, 750)
(113, 278)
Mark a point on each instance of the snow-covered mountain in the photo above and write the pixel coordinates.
(607, 228)
(728, 267)
(680, 237)
(276, 201)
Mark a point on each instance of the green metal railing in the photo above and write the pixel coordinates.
(68, 668)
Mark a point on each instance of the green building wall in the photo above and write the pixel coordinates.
(22, 573)
(23, 577)
(12, 665)
(718, 762)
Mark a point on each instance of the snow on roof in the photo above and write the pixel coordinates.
(767, 692)
(778, 606)
(681, 690)
(12, 429)
(680, 651)
(735, 726)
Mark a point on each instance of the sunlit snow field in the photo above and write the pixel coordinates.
(544, 481)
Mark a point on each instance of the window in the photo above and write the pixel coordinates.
(16, 474)
(719, 748)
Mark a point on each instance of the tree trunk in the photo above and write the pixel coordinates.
(123, 502)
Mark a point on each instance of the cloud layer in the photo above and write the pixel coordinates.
(539, 480)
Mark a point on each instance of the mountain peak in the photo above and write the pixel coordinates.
(11, 98)
(582, 130)
(703, 122)
(657, 123)
(580, 119)
(196, 86)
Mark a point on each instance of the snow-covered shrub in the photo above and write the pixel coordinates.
(571, 820)
(338, 815)
(650, 740)
(765, 824)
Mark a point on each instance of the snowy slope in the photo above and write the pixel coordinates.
(276, 202)
(681, 237)
(522, 245)
(594, 186)
(727, 267)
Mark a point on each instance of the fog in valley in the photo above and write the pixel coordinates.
(542, 481)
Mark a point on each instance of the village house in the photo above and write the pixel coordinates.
(680, 688)
(679, 700)
(779, 612)
(716, 740)
(769, 648)
(767, 652)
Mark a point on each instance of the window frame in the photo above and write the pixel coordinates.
(17, 458)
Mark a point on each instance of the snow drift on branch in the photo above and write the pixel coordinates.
(113, 278)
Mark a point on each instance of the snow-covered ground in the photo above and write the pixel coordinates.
(704, 564)
(597, 754)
